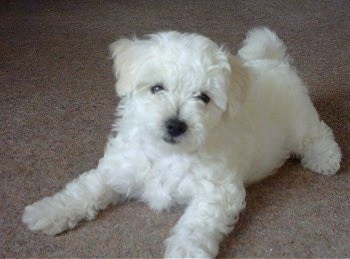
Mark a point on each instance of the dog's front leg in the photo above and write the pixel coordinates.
(85, 196)
(80, 199)
(207, 219)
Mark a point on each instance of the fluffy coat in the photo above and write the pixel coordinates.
(194, 126)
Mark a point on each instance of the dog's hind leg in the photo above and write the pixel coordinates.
(321, 154)
(315, 144)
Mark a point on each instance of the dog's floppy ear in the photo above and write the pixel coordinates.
(123, 54)
(238, 84)
(220, 99)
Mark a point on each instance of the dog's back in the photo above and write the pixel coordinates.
(282, 114)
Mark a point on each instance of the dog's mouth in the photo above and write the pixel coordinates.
(170, 140)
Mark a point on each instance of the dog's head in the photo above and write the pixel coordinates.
(176, 87)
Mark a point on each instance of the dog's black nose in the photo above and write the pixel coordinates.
(175, 127)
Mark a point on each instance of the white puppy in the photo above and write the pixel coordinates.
(195, 125)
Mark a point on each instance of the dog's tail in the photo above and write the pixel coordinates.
(262, 43)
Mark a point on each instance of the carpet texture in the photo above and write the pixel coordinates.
(57, 104)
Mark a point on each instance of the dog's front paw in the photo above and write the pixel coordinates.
(177, 247)
(47, 215)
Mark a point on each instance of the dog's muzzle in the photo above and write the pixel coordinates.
(174, 128)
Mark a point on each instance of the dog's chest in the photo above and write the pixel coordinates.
(170, 179)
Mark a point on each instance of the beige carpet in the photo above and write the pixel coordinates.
(57, 104)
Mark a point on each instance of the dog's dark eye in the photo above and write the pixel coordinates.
(204, 97)
(156, 88)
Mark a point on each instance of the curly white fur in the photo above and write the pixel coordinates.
(233, 120)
